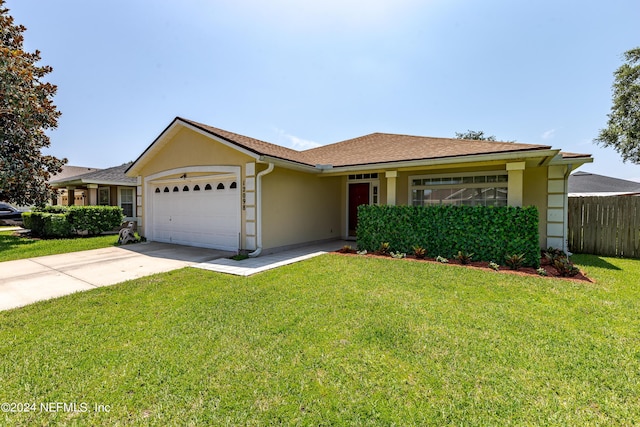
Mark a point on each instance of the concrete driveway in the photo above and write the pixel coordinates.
(26, 281)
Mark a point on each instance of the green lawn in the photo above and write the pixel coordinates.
(13, 247)
(333, 341)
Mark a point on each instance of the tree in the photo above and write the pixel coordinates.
(623, 128)
(475, 134)
(26, 113)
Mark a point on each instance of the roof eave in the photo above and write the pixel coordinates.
(575, 161)
(473, 158)
(290, 164)
(80, 182)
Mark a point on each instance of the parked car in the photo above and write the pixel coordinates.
(10, 214)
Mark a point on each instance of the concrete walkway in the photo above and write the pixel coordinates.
(26, 281)
(29, 280)
(250, 266)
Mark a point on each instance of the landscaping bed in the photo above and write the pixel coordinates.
(545, 264)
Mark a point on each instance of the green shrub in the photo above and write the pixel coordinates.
(56, 225)
(62, 221)
(489, 232)
(94, 219)
(54, 209)
(44, 224)
(33, 221)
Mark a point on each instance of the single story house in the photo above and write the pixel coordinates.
(99, 187)
(203, 186)
(585, 184)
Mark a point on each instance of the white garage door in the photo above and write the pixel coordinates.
(197, 213)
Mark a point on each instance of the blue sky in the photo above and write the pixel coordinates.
(306, 73)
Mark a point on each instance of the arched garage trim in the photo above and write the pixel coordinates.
(212, 171)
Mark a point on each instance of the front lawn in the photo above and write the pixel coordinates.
(333, 340)
(14, 247)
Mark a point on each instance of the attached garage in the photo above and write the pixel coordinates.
(201, 211)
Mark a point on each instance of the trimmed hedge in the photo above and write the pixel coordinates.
(62, 221)
(489, 232)
(45, 224)
(94, 219)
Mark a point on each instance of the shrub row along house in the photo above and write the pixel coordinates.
(203, 186)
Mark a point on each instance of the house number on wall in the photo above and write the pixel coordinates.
(244, 195)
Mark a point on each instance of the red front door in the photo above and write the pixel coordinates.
(358, 195)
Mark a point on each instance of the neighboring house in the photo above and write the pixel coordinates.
(584, 184)
(66, 173)
(107, 187)
(203, 186)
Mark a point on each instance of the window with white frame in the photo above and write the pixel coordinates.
(126, 199)
(478, 189)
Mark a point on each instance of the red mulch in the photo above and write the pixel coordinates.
(483, 265)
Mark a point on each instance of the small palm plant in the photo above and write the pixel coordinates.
(514, 261)
(464, 257)
(384, 248)
(419, 252)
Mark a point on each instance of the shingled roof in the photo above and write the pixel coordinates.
(387, 147)
(70, 171)
(373, 148)
(110, 176)
(376, 148)
(586, 183)
(254, 145)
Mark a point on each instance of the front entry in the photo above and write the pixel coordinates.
(358, 195)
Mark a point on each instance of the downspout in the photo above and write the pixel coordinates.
(258, 250)
(565, 241)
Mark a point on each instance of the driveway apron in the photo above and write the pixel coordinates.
(26, 281)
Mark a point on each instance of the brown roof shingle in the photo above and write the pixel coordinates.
(254, 145)
(385, 147)
(373, 148)
(365, 150)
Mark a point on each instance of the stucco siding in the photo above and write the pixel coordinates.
(299, 207)
(535, 194)
(189, 148)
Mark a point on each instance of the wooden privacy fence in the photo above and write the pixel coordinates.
(608, 226)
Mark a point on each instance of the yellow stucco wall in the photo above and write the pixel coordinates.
(189, 148)
(535, 194)
(299, 207)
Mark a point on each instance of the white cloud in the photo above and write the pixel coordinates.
(294, 142)
(548, 134)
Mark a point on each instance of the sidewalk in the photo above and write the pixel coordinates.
(250, 266)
